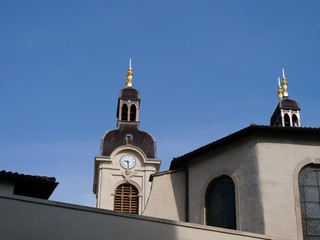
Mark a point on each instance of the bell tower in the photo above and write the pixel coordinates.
(127, 158)
(128, 103)
(287, 113)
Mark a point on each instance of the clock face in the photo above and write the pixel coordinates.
(127, 161)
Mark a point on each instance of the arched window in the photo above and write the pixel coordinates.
(309, 187)
(124, 113)
(126, 199)
(220, 203)
(286, 120)
(133, 112)
(129, 139)
(295, 121)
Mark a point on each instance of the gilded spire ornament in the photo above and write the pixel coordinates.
(279, 92)
(284, 85)
(129, 75)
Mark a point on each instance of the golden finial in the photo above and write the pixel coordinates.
(284, 85)
(129, 75)
(279, 92)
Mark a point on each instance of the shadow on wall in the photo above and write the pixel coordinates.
(250, 214)
(238, 160)
(179, 187)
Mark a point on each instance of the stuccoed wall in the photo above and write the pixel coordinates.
(168, 196)
(109, 174)
(279, 166)
(265, 172)
(23, 218)
(239, 161)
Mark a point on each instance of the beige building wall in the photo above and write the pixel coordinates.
(265, 173)
(168, 196)
(266, 182)
(239, 161)
(109, 175)
(25, 218)
(279, 166)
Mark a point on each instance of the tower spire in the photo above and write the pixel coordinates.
(129, 75)
(284, 85)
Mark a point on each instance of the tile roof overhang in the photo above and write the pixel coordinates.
(29, 185)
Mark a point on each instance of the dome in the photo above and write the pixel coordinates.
(129, 94)
(116, 138)
(289, 104)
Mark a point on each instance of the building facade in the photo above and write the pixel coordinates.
(261, 179)
(252, 180)
(261, 182)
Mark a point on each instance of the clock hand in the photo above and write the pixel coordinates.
(127, 161)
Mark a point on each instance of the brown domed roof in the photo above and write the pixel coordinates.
(289, 104)
(129, 94)
(116, 138)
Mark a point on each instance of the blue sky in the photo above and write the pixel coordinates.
(204, 69)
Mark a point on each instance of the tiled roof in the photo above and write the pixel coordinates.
(30, 185)
(16, 176)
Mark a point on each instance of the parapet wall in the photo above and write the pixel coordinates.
(28, 218)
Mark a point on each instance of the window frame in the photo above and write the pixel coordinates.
(126, 198)
(233, 212)
(305, 189)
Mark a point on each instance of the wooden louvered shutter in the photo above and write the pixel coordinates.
(126, 199)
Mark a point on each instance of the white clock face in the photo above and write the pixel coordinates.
(127, 161)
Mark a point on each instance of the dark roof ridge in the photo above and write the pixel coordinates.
(16, 175)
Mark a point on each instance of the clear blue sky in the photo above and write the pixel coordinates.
(204, 69)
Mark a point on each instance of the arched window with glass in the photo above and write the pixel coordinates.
(220, 203)
(309, 187)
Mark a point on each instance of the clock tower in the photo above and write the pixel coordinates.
(127, 158)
